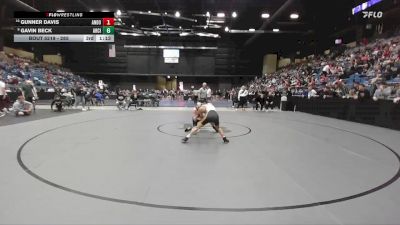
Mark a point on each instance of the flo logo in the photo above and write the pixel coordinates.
(372, 14)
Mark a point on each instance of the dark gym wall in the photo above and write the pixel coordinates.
(151, 61)
(225, 60)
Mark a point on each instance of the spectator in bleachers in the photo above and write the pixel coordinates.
(312, 93)
(363, 93)
(364, 67)
(396, 98)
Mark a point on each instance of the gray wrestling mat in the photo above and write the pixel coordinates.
(38, 114)
(129, 167)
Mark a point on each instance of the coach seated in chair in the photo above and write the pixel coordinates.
(22, 107)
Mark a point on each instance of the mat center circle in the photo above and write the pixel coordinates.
(178, 129)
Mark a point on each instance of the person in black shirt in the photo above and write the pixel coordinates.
(363, 93)
(269, 100)
(260, 100)
(79, 93)
(28, 91)
(133, 101)
(121, 102)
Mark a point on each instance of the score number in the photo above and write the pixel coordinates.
(108, 21)
(108, 25)
(108, 30)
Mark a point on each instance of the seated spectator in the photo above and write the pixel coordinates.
(99, 98)
(22, 107)
(352, 94)
(382, 92)
(363, 93)
(312, 93)
(396, 97)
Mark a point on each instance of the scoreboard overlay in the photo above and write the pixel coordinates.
(64, 27)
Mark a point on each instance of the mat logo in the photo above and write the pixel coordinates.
(372, 14)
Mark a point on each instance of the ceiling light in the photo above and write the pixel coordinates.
(221, 14)
(149, 11)
(91, 10)
(275, 30)
(294, 16)
(168, 77)
(207, 35)
(165, 13)
(177, 14)
(180, 27)
(234, 14)
(226, 29)
(60, 10)
(119, 12)
(208, 14)
(265, 15)
(252, 29)
(133, 26)
(205, 27)
(184, 34)
(104, 10)
(176, 77)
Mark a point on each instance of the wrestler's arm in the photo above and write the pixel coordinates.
(203, 113)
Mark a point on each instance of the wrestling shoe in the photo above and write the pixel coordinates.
(185, 139)
(187, 129)
(226, 141)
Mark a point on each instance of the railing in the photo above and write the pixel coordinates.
(382, 113)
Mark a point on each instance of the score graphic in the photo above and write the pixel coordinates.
(108, 30)
(108, 21)
(64, 27)
(108, 25)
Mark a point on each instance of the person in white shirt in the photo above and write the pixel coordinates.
(326, 69)
(242, 96)
(3, 95)
(203, 93)
(209, 115)
(22, 107)
(209, 93)
(311, 93)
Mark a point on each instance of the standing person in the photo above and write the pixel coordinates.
(195, 96)
(29, 91)
(203, 93)
(260, 100)
(242, 97)
(209, 115)
(209, 94)
(269, 101)
(3, 96)
(88, 97)
(233, 97)
(79, 96)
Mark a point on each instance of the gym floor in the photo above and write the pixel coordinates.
(129, 167)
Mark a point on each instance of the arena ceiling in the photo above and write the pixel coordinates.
(157, 19)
